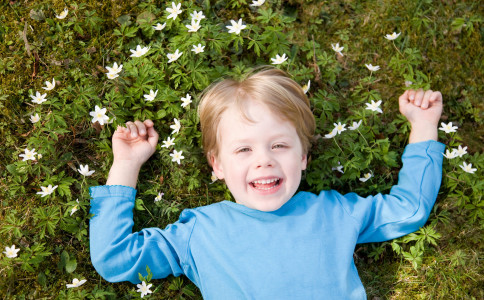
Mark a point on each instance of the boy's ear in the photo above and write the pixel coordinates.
(216, 166)
(304, 162)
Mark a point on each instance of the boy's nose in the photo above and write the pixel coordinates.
(264, 159)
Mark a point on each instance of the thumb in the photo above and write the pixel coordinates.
(152, 136)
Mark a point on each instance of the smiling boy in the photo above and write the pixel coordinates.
(271, 243)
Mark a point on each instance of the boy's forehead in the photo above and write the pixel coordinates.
(239, 123)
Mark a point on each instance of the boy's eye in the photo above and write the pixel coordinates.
(279, 146)
(245, 149)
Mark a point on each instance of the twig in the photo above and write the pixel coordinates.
(316, 67)
(26, 42)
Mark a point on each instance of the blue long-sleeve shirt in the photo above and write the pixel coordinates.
(304, 250)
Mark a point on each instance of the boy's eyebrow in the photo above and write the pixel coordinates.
(249, 139)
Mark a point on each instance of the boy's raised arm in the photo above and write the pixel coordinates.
(422, 109)
(406, 208)
(132, 146)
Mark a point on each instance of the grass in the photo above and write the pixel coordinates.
(441, 46)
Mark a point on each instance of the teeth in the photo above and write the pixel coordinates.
(266, 181)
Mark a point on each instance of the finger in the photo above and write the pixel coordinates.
(426, 99)
(411, 95)
(148, 123)
(120, 129)
(403, 100)
(404, 96)
(436, 97)
(141, 127)
(132, 129)
(418, 97)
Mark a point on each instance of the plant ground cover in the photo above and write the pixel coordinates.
(440, 46)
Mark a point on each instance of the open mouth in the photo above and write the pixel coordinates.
(266, 184)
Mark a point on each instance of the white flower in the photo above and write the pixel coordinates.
(306, 87)
(115, 69)
(38, 98)
(176, 127)
(151, 96)
(84, 170)
(374, 106)
(257, 2)
(332, 134)
(144, 289)
(186, 100)
(366, 177)
(339, 127)
(450, 155)
(337, 48)
(468, 168)
(338, 168)
(392, 36)
(159, 197)
(448, 128)
(34, 118)
(168, 142)
(236, 27)
(99, 115)
(408, 83)
(75, 208)
(174, 56)
(49, 85)
(159, 26)
(279, 59)
(461, 151)
(176, 156)
(197, 16)
(174, 11)
(194, 26)
(39, 156)
(355, 125)
(28, 155)
(139, 51)
(112, 75)
(47, 190)
(11, 252)
(198, 49)
(372, 68)
(75, 283)
(63, 14)
(213, 177)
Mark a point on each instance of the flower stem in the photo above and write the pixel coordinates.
(340, 148)
(363, 137)
(393, 42)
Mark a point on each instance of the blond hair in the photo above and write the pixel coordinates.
(270, 86)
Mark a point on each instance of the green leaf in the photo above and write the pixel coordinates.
(71, 265)
(139, 204)
(124, 20)
(42, 279)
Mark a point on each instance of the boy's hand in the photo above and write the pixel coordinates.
(132, 146)
(136, 142)
(423, 110)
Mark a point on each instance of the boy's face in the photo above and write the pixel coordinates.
(262, 161)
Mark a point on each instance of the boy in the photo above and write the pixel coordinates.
(271, 243)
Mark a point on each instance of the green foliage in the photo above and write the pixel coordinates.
(440, 47)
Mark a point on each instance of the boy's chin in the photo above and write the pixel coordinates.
(265, 206)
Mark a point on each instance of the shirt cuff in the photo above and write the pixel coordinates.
(103, 191)
(427, 146)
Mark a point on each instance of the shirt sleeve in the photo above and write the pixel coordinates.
(118, 254)
(408, 205)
